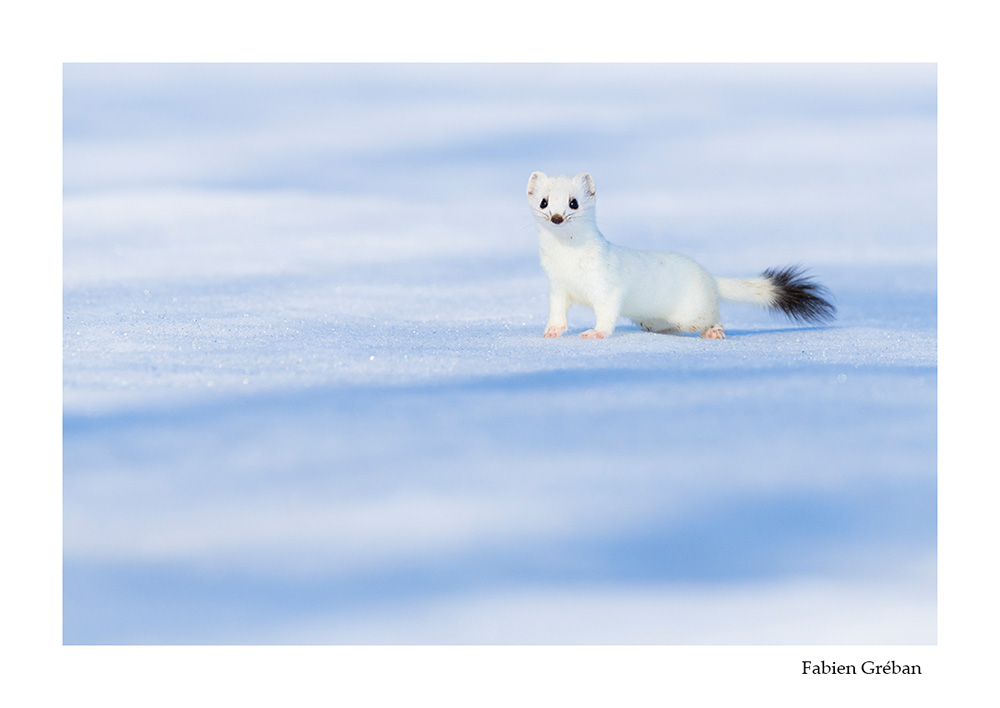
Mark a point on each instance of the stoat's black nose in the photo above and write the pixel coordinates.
(556, 219)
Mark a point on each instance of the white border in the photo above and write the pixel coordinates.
(37, 38)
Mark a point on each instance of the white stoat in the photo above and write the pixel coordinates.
(658, 290)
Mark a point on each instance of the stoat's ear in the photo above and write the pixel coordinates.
(587, 182)
(533, 181)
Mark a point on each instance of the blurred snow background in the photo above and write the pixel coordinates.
(306, 397)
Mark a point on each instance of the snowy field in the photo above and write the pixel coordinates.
(307, 400)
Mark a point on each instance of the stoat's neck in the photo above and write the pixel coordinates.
(574, 235)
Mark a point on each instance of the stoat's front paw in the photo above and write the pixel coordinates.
(592, 334)
(553, 331)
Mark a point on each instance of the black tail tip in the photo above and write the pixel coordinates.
(799, 296)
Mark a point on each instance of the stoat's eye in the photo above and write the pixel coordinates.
(573, 204)
(545, 203)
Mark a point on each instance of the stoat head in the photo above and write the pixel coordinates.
(559, 202)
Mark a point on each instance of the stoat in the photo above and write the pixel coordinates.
(658, 290)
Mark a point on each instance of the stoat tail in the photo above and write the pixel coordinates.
(788, 289)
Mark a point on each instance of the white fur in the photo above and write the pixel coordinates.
(658, 290)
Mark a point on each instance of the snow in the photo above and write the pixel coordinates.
(307, 400)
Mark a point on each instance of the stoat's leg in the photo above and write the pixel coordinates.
(714, 332)
(607, 318)
(558, 307)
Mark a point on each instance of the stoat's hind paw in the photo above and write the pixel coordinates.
(592, 334)
(714, 332)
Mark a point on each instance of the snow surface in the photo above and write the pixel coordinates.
(307, 400)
